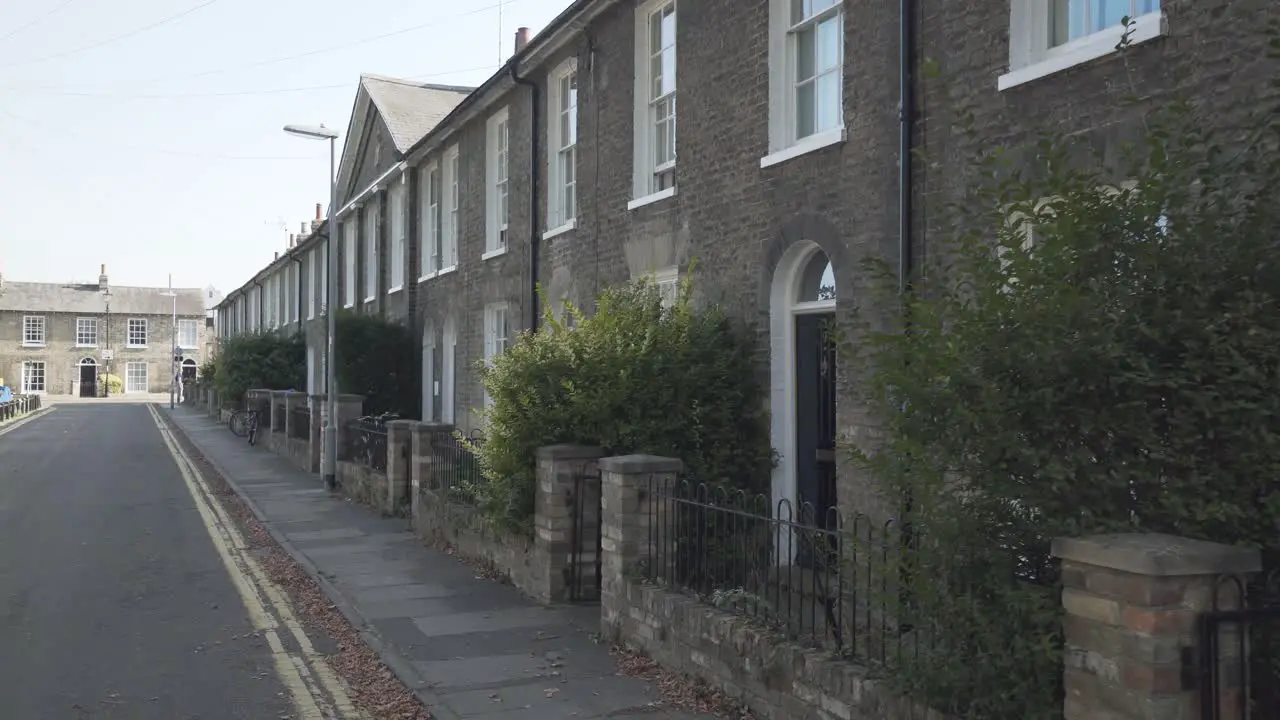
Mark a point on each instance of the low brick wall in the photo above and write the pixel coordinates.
(474, 537)
(299, 453)
(777, 679)
(361, 484)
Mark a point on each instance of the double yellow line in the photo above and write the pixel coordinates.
(15, 424)
(316, 691)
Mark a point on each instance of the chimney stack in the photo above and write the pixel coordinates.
(102, 278)
(522, 38)
(290, 239)
(315, 224)
(277, 257)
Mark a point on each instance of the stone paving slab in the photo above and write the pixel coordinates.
(471, 648)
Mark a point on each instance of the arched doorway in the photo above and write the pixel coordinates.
(88, 377)
(189, 369)
(803, 382)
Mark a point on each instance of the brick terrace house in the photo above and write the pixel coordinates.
(57, 338)
(795, 157)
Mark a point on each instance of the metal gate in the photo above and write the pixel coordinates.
(585, 536)
(1239, 670)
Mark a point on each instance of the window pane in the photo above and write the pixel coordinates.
(565, 131)
(805, 109)
(568, 203)
(800, 9)
(655, 77)
(805, 54)
(829, 43)
(668, 60)
(662, 142)
(655, 33)
(828, 101)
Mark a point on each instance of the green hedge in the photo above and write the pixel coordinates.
(1118, 374)
(631, 378)
(269, 361)
(376, 358)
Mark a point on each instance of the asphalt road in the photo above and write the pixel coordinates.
(116, 602)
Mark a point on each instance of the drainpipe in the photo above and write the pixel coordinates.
(261, 305)
(906, 118)
(297, 260)
(535, 237)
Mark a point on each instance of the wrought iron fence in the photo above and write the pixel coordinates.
(455, 468)
(259, 401)
(1240, 659)
(300, 423)
(19, 405)
(792, 569)
(364, 442)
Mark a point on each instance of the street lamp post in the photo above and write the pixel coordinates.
(329, 461)
(173, 344)
(106, 360)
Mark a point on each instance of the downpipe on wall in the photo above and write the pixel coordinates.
(535, 237)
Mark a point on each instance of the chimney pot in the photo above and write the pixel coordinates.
(102, 278)
(522, 38)
(277, 257)
(303, 225)
(318, 216)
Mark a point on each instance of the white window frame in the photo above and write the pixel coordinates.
(425, 226)
(497, 336)
(667, 280)
(130, 326)
(396, 202)
(451, 222)
(431, 219)
(295, 284)
(34, 331)
(86, 338)
(370, 220)
(646, 173)
(784, 145)
(350, 238)
(312, 293)
(191, 328)
(1032, 55)
(26, 386)
(558, 221)
(497, 189)
(146, 376)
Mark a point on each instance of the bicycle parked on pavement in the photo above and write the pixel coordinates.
(244, 423)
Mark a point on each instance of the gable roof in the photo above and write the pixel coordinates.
(87, 299)
(408, 108)
(411, 109)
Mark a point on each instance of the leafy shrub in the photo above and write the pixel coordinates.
(115, 385)
(1116, 374)
(254, 361)
(208, 371)
(630, 378)
(375, 358)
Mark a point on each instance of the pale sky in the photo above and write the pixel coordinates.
(146, 134)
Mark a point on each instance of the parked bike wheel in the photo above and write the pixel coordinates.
(253, 429)
(240, 423)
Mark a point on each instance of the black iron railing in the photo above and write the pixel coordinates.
(455, 468)
(1239, 669)
(300, 423)
(19, 405)
(364, 442)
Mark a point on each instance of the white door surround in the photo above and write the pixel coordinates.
(800, 270)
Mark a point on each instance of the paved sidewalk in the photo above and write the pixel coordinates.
(470, 647)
